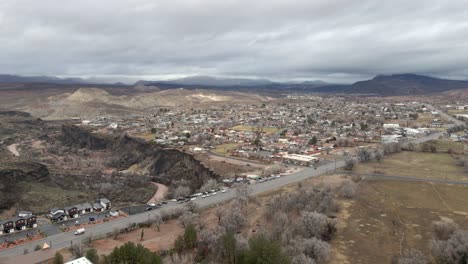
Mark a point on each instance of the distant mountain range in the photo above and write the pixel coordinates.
(397, 84)
(387, 85)
(216, 81)
(7, 78)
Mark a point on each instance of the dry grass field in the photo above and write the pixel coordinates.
(224, 149)
(268, 130)
(387, 217)
(417, 164)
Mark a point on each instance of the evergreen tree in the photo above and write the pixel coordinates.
(190, 237)
(58, 258)
(129, 253)
(92, 255)
(264, 251)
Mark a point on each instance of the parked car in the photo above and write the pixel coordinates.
(92, 219)
(80, 231)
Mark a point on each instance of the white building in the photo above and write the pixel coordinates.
(393, 126)
(82, 260)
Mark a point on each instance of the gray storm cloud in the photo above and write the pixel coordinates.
(331, 40)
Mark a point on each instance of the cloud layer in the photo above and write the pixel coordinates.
(333, 40)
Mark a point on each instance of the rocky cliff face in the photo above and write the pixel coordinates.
(174, 165)
(165, 165)
(11, 174)
(78, 137)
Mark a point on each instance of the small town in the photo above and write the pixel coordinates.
(233, 132)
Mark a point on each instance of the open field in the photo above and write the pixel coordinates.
(268, 130)
(426, 118)
(417, 164)
(445, 145)
(388, 216)
(457, 112)
(224, 149)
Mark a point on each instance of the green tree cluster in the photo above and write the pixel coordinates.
(129, 253)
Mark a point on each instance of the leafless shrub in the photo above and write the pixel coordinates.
(317, 249)
(349, 164)
(364, 155)
(428, 147)
(378, 155)
(182, 191)
(409, 146)
(391, 148)
(158, 220)
(444, 229)
(187, 218)
(313, 224)
(453, 250)
(234, 220)
(219, 212)
(413, 256)
(302, 259)
(356, 178)
(211, 184)
(77, 250)
(348, 189)
(191, 206)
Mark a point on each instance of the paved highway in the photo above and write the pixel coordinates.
(64, 240)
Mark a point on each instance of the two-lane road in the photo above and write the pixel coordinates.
(64, 240)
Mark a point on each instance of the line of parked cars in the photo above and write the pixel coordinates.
(272, 177)
(194, 196)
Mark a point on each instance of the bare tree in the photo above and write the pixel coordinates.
(181, 191)
(219, 212)
(211, 184)
(191, 206)
(349, 164)
(348, 189)
(187, 218)
(313, 224)
(378, 155)
(317, 249)
(158, 220)
(234, 221)
(364, 154)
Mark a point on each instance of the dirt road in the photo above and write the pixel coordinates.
(159, 195)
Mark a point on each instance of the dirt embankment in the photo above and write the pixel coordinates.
(13, 149)
(159, 194)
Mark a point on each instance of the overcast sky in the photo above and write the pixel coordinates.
(330, 40)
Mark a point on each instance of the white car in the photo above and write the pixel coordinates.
(80, 231)
(223, 190)
(152, 204)
(203, 196)
(193, 199)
